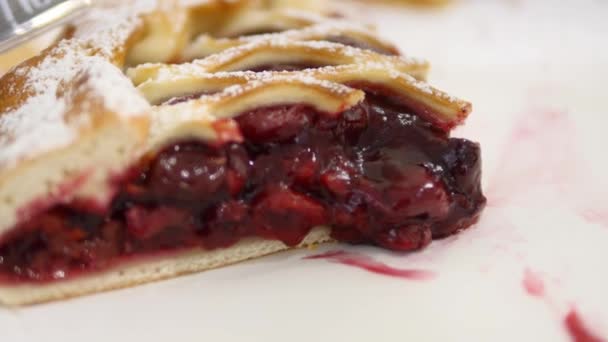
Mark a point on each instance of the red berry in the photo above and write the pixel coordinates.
(274, 124)
(226, 225)
(144, 223)
(406, 238)
(285, 215)
(187, 172)
(418, 193)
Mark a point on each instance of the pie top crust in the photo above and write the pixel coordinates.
(78, 115)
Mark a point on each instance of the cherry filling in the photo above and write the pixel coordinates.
(375, 173)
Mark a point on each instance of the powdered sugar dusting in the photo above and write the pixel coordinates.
(39, 124)
(86, 62)
(42, 114)
(107, 28)
(124, 98)
(269, 77)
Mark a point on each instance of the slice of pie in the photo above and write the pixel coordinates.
(158, 141)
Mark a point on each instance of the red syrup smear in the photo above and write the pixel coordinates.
(574, 324)
(533, 284)
(597, 216)
(547, 133)
(367, 263)
(578, 330)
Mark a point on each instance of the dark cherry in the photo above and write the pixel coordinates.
(185, 172)
(376, 174)
(225, 225)
(282, 214)
(274, 124)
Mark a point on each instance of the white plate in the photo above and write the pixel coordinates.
(536, 72)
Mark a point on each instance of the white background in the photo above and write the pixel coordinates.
(536, 73)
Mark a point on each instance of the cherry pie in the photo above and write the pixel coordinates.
(155, 141)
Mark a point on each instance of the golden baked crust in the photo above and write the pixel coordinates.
(91, 105)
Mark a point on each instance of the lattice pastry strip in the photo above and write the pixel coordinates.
(197, 118)
(265, 53)
(339, 30)
(435, 105)
(166, 32)
(252, 22)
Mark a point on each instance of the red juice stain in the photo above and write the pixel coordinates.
(542, 151)
(533, 284)
(595, 215)
(544, 133)
(573, 322)
(367, 263)
(577, 329)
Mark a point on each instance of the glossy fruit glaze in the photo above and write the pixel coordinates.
(376, 174)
